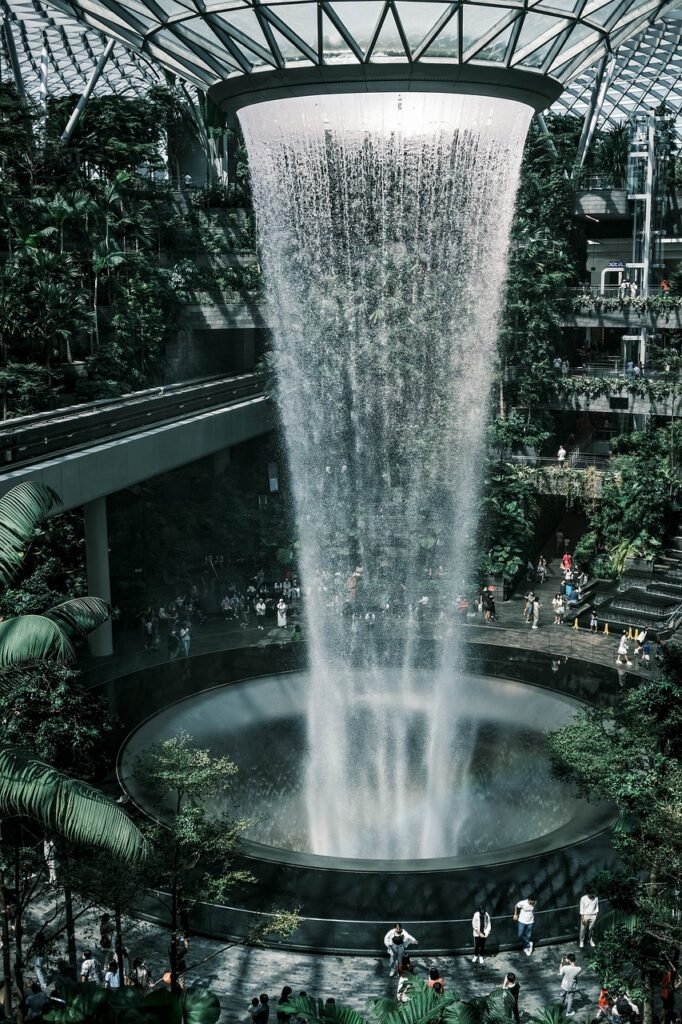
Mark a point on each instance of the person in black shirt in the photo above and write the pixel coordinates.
(511, 985)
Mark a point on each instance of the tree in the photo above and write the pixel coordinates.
(29, 787)
(195, 850)
(631, 755)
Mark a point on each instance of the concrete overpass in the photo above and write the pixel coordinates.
(88, 452)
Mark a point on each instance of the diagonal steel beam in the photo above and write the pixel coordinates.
(87, 92)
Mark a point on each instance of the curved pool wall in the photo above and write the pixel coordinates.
(346, 909)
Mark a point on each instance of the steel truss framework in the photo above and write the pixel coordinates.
(208, 41)
(45, 51)
(644, 73)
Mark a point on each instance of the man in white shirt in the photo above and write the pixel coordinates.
(568, 972)
(396, 941)
(524, 915)
(589, 908)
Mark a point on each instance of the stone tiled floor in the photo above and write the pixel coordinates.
(236, 973)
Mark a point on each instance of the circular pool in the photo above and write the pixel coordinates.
(502, 806)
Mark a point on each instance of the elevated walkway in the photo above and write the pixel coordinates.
(88, 451)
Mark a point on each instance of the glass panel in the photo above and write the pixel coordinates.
(446, 43)
(536, 58)
(601, 16)
(302, 18)
(562, 6)
(287, 48)
(418, 19)
(247, 22)
(477, 22)
(389, 43)
(333, 43)
(534, 28)
(360, 19)
(496, 49)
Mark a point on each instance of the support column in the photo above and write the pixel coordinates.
(97, 564)
(87, 92)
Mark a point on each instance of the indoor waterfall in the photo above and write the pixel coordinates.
(383, 223)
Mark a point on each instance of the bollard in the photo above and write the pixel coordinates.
(576, 624)
(630, 636)
(606, 629)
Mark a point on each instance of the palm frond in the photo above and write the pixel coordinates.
(81, 814)
(21, 510)
(25, 639)
(80, 615)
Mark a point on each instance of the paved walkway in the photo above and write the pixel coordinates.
(237, 973)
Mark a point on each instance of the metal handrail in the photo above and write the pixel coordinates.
(29, 438)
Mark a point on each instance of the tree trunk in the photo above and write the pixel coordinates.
(6, 961)
(70, 924)
(119, 942)
(95, 323)
(18, 939)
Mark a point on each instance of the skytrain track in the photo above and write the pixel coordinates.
(28, 439)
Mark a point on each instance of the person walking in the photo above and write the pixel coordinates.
(524, 916)
(185, 639)
(396, 941)
(589, 909)
(260, 613)
(569, 973)
(481, 926)
(511, 985)
(594, 621)
(622, 657)
(529, 599)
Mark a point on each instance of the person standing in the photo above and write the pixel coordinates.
(589, 909)
(173, 645)
(396, 941)
(282, 613)
(511, 985)
(89, 971)
(111, 978)
(435, 979)
(594, 621)
(529, 600)
(561, 455)
(185, 639)
(481, 926)
(536, 614)
(260, 613)
(524, 916)
(569, 972)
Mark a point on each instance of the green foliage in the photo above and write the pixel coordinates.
(194, 853)
(87, 1004)
(542, 261)
(81, 814)
(68, 725)
(631, 756)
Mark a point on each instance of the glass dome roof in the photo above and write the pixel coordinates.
(645, 72)
(209, 41)
(56, 54)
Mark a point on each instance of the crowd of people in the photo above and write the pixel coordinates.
(615, 1007)
(107, 965)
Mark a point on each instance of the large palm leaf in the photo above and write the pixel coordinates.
(27, 639)
(79, 615)
(78, 812)
(21, 510)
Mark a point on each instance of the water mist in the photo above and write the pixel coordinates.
(383, 224)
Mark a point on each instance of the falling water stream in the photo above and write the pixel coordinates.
(383, 222)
